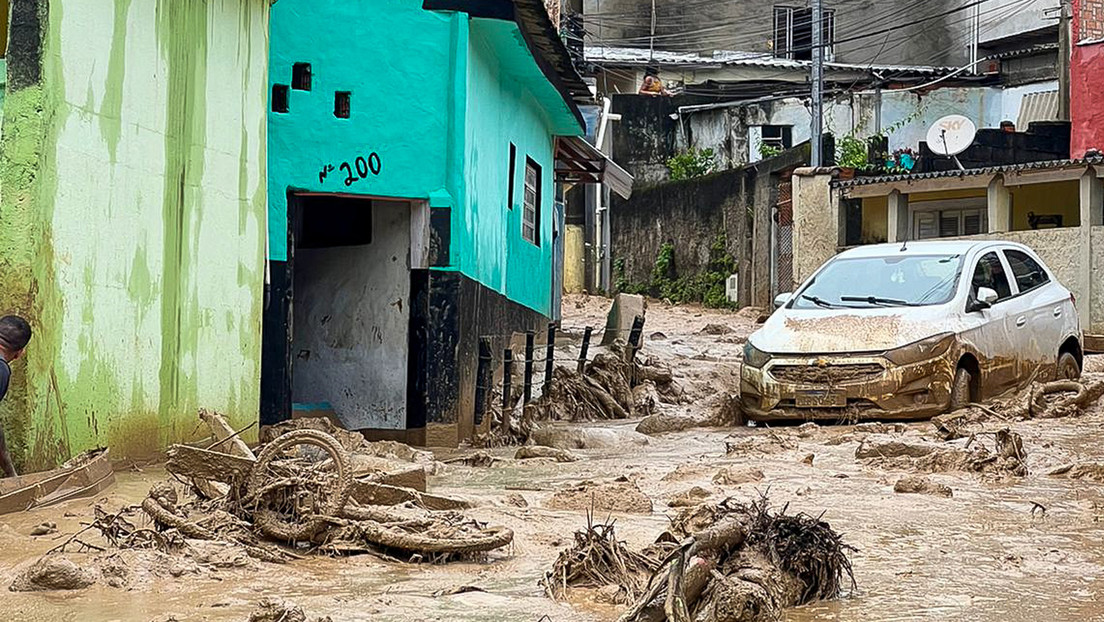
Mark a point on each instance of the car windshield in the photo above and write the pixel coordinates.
(876, 282)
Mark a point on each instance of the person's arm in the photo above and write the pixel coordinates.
(5, 457)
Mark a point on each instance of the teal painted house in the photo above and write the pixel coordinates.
(412, 168)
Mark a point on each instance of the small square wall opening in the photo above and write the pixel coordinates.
(342, 104)
(279, 98)
(301, 76)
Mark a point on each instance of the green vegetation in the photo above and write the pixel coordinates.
(768, 151)
(692, 163)
(707, 288)
(851, 153)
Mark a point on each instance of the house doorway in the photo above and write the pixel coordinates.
(337, 318)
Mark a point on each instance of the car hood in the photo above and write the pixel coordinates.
(832, 331)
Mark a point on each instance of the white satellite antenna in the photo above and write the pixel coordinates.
(951, 135)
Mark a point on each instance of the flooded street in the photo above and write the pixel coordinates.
(1000, 548)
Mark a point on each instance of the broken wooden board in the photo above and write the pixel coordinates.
(226, 438)
(390, 472)
(373, 493)
(193, 462)
(85, 476)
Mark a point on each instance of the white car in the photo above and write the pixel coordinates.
(908, 331)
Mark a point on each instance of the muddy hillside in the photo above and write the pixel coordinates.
(625, 492)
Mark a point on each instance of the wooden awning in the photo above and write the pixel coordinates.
(578, 162)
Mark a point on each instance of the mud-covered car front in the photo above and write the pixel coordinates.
(909, 382)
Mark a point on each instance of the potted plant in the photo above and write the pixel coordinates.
(850, 155)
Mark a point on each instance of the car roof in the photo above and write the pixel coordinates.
(925, 247)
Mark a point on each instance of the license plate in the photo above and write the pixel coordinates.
(820, 399)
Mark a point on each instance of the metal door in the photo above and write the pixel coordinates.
(782, 275)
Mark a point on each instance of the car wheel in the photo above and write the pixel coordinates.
(960, 389)
(1068, 367)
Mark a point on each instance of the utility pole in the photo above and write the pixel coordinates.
(817, 157)
(1064, 52)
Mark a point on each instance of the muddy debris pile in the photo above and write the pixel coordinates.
(301, 491)
(272, 609)
(1050, 400)
(917, 485)
(1003, 455)
(598, 560)
(619, 495)
(772, 442)
(724, 562)
(615, 384)
(300, 495)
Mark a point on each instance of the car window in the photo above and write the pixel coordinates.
(990, 273)
(872, 282)
(1028, 273)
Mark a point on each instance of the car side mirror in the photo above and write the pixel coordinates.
(781, 299)
(983, 300)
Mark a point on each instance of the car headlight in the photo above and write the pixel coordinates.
(921, 350)
(753, 357)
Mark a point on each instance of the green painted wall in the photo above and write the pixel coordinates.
(395, 59)
(438, 97)
(133, 186)
(502, 109)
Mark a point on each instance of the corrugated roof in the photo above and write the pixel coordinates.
(971, 172)
(639, 56)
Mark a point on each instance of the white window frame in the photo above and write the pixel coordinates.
(531, 202)
(963, 207)
(784, 48)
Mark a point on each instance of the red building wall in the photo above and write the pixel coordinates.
(1087, 77)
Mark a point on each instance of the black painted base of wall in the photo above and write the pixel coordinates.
(449, 313)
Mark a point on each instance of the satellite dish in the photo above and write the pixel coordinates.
(951, 135)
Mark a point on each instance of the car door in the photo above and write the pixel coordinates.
(1038, 314)
(990, 335)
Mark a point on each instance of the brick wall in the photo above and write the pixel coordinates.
(1087, 77)
(1088, 20)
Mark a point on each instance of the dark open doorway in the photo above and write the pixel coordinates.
(337, 320)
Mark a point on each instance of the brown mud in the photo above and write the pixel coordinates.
(1014, 548)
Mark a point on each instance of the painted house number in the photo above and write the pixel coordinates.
(358, 170)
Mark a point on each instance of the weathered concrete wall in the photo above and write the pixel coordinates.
(1096, 295)
(352, 323)
(816, 225)
(647, 135)
(692, 214)
(1000, 19)
(133, 181)
(923, 36)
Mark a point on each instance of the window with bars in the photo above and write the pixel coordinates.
(793, 33)
(531, 206)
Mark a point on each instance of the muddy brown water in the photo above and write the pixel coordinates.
(981, 555)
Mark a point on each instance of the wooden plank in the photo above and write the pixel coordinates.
(221, 430)
(187, 461)
(86, 475)
(372, 493)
